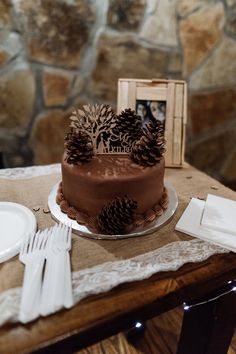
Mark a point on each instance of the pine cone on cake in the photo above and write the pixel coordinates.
(149, 149)
(79, 147)
(155, 127)
(128, 122)
(116, 216)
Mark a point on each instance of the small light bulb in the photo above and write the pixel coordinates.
(234, 288)
(229, 282)
(186, 307)
(138, 324)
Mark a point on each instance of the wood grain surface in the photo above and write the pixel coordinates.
(101, 316)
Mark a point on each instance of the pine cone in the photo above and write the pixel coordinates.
(128, 122)
(116, 216)
(149, 149)
(155, 127)
(79, 147)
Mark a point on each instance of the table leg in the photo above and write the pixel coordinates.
(208, 328)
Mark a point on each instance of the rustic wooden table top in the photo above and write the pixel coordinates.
(103, 315)
(111, 312)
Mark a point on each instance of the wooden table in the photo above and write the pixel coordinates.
(206, 329)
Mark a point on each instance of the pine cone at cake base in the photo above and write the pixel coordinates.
(116, 216)
(79, 147)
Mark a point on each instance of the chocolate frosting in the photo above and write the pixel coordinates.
(91, 221)
(90, 186)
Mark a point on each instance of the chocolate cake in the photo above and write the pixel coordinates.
(115, 189)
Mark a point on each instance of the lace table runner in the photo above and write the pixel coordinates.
(106, 276)
(29, 172)
(97, 265)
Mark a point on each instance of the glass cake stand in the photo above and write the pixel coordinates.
(82, 230)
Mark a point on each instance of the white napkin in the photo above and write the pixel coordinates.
(190, 223)
(220, 214)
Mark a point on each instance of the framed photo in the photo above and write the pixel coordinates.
(150, 110)
(162, 100)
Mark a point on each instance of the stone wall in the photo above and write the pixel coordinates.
(58, 54)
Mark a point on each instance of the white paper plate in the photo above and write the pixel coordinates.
(16, 221)
(84, 231)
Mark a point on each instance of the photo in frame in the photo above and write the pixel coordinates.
(151, 111)
(162, 100)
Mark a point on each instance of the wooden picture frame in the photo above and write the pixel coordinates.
(173, 95)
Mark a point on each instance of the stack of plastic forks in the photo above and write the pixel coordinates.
(32, 254)
(46, 290)
(57, 286)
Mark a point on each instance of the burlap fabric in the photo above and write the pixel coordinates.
(33, 193)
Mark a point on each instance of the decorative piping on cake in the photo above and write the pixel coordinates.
(91, 221)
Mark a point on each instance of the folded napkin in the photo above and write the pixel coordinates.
(190, 223)
(220, 214)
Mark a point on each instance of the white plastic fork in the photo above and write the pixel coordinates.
(63, 294)
(58, 259)
(57, 289)
(46, 296)
(68, 295)
(32, 254)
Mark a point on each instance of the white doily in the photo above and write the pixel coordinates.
(106, 276)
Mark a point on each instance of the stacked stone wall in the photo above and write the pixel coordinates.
(59, 54)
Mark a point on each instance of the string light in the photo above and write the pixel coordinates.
(187, 307)
(138, 324)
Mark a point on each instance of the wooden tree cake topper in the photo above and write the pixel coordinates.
(101, 125)
(97, 130)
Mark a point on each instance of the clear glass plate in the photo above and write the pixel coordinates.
(82, 230)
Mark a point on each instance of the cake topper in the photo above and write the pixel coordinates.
(104, 128)
(96, 129)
